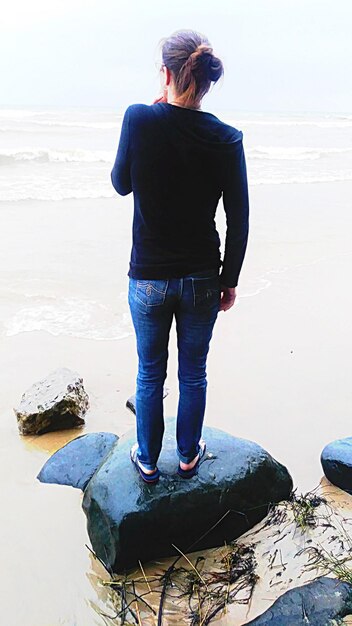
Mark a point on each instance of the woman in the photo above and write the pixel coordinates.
(179, 160)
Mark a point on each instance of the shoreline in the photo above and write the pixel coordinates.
(270, 184)
(277, 368)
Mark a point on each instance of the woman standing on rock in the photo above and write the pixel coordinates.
(179, 160)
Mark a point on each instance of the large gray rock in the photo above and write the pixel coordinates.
(56, 402)
(129, 520)
(336, 459)
(319, 603)
(75, 463)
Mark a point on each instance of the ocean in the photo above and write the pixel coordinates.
(62, 154)
(66, 233)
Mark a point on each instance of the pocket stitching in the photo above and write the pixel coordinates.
(147, 282)
(150, 304)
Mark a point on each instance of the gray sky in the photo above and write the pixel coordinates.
(279, 55)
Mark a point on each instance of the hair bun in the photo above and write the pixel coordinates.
(215, 69)
(203, 49)
(204, 52)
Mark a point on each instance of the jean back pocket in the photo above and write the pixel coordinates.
(151, 292)
(206, 291)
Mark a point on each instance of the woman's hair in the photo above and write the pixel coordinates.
(190, 59)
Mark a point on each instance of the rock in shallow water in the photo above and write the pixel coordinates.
(56, 402)
(319, 603)
(336, 459)
(129, 520)
(75, 463)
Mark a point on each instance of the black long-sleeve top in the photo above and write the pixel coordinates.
(178, 162)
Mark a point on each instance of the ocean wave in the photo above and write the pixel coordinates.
(84, 194)
(73, 124)
(73, 317)
(48, 127)
(301, 178)
(292, 153)
(33, 127)
(331, 122)
(27, 125)
(44, 155)
(101, 192)
(30, 119)
(94, 193)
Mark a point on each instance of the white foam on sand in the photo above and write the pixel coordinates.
(74, 317)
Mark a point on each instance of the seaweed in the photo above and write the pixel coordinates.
(203, 588)
(203, 594)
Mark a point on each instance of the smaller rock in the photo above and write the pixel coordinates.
(56, 402)
(336, 459)
(319, 603)
(75, 463)
(131, 402)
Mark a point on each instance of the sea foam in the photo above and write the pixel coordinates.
(45, 155)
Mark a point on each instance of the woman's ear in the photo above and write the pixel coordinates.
(167, 75)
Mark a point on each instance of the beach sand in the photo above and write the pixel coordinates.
(278, 369)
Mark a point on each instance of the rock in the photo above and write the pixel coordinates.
(129, 520)
(75, 463)
(54, 403)
(336, 459)
(131, 402)
(318, 603)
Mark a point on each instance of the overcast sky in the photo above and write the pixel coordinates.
(279, 55)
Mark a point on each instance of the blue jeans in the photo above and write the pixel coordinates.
(194, 301)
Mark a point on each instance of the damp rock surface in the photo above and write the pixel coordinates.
(75, 463)
(319, 603)
(56, 402)
(129, 520)
(336, 459)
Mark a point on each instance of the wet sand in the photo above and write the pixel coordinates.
(278, 374)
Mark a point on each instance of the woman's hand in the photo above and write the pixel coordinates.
(162, 97)
(228, 297)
